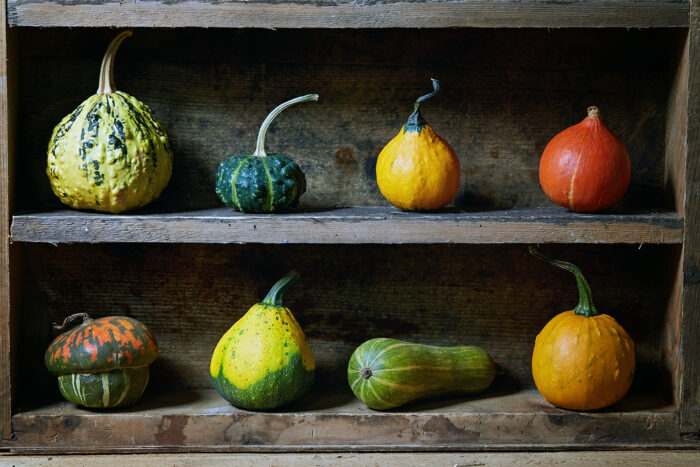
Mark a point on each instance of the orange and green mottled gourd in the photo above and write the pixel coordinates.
(102, 363)
(418, 170)
(386, 373)
(264, 360)
(582, 360)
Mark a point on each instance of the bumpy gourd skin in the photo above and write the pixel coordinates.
(260, 184)
(418, 170)
(264, 360)
(583, 363)
(111, 154)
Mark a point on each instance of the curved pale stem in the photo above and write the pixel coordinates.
(107, 70)
(260, 147)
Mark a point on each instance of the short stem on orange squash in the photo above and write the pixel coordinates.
(593, 112)
(86, 320)
(585, 305)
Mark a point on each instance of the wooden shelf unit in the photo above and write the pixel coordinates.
(188, 267)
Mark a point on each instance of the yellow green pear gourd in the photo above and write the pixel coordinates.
(264, 360)
(111, 154)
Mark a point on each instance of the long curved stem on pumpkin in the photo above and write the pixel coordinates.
(85, 316)
(106, 85)
(436, 89)
(260, 146)
(585, 305)
(274, 296)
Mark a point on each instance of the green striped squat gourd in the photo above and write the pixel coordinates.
(386, 373)
(102, 363)
(111, 154)
(259, 182)
(264, 360)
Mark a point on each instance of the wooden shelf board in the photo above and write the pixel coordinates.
(350, 14)
(333, 419)
(369, 224)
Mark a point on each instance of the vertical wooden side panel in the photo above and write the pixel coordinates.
(674, 187)
(6, 132)
(689, 374)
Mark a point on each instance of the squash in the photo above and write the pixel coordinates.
(418, 170)
(264, 360)
(585, 168)
(386, 373)
(111, 154)
(260, 182)
(582, 360)
(102, 363)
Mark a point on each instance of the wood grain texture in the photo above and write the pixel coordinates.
(350, 14)
(350, 225)
(375, 459)
(689, 371)
(496, 297)
(504, 95)
(7, 98)
(205, 421)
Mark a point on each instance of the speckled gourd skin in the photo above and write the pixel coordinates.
(264, 361)
(111, 154)
(260, 184)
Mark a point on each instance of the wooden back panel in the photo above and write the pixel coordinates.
(497, 297)
(505, 94)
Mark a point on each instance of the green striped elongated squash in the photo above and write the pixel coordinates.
(111, 154)
(264, 360)
(102, 363)
(260, 182)
(386, 373)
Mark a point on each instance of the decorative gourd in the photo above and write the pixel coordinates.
(582, 360)
(586, 167)
(110, 154)
(264, 360)
(386, 373)
(102, 363)
(418, 170)
(261, 182)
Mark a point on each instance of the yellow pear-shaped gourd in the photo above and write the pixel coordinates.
(264, 360)
(418, 170)
(110, 154)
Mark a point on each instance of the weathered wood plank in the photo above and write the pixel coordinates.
(580, 458)
(504, 95)
(351, 225)
(204, 420)
(7, 124)
(348, 14)
(689, 369)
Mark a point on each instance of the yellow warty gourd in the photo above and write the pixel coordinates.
(111, 154)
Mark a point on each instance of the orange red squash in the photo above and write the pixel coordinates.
(582, 360)
(586, 167)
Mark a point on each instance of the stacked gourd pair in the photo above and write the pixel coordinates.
(112, 154)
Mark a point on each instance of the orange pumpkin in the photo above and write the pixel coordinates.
(582, 360)
(418, 170)
(586, 167)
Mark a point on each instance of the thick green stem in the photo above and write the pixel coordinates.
(585, 305)
(416, 121)
(106, 84)
(260, 146)
(274, 296)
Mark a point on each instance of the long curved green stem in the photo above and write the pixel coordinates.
(585, 305)
(106, 84)
(274, 296)
(260, 146)
(415, 121)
